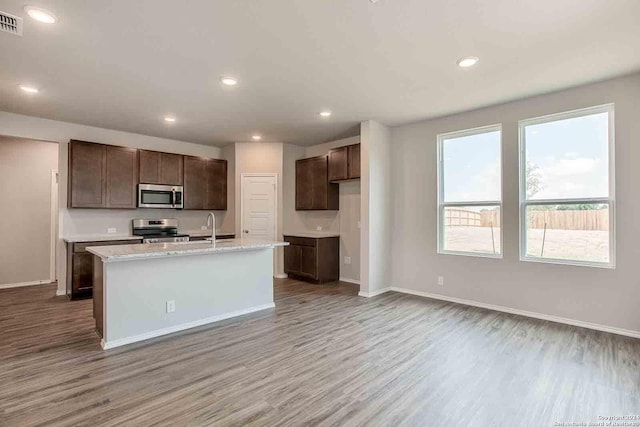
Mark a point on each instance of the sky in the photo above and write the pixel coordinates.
(472, 168)
(571, 154)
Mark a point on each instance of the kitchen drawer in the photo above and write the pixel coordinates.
(82, 247)
(301, 241)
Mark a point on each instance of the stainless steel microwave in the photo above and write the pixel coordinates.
(160, 196)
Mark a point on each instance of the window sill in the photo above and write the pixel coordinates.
(605, 265)
(471, 254)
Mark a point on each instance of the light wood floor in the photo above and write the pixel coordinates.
(322, 356)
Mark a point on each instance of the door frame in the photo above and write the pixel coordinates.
(275, 200)
(54, 224)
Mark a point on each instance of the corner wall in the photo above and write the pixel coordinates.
(376, 202)
(597, 296)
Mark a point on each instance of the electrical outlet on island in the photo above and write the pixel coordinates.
(203, 227)
(111, 230)
(319, 228)
(440, 280)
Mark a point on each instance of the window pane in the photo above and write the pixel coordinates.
(568, 158)
(577, 232)
(472, 229)
(471, 168)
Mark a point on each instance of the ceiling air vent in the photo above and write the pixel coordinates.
(10, 24)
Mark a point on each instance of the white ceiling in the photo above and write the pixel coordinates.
(124, 64)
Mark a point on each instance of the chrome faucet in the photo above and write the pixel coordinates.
(211, 221)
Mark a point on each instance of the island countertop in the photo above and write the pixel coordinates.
(157, 250)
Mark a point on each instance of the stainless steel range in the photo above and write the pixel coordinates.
(158, 230)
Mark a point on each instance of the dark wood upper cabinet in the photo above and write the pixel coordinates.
(107, 176)
(160, 168)
(102, 176)
(87, 175)
(205, 183)
(194, 182)
(344, 163)
(338, 164)
(303, 184)
(216, 198)
(354, 161)
(122, 177)
(313, 189)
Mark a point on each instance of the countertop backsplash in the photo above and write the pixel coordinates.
(99, 221)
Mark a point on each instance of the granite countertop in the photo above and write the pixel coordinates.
(99, 238)
(158, 250)
(110, 237)
(312, 234)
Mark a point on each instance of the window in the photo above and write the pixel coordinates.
(566, 188)
(470, 192)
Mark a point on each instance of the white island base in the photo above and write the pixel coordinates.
(134, 290)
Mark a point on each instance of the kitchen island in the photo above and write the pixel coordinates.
(144, 291)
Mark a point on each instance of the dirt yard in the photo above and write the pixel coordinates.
(560, 244)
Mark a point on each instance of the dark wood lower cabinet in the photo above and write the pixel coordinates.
(80, 267)
(315, 260)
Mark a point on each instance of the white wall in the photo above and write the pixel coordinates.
(227, 223)
(25, 208)
(376, 205)
(600, 296)
(261, 157)
(90, 221)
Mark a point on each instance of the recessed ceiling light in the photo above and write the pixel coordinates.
(228, 81)
(467, 61)
(170, 119)
(41, 15)
(256, 137)
(325, 113)
(29, 89)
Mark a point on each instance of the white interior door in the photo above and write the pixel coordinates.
(259, 206)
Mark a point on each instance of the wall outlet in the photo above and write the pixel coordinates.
(441, 280)
(319, 228)
(111, 230)
(347, 260)
(171, 306)
(203, 227)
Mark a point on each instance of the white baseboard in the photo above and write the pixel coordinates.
(374, 293)
(281, 276)
(21, 284)
(551, 318)
(345, 279)
(177, 328)
(61, 292)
